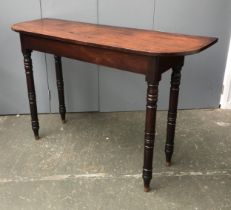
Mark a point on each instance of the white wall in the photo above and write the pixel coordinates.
(226, 93)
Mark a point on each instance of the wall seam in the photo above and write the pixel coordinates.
(154, 13)
(41, 13)
(46, 66)
(98, 67)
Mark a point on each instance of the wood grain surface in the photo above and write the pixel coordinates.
(137, 41)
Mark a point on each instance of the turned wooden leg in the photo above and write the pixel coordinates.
(149, 137)
(31, 92)
(59, 79)
(172, 113)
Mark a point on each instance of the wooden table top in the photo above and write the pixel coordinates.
(131, 40)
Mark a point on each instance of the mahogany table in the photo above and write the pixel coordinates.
(140, 51)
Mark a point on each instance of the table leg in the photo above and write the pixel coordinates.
(31, 92)
(59, 79)
(149, 137)
(172, 113)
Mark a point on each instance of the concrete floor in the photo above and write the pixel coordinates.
(94, 161)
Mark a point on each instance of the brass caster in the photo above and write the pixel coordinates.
(36, 137)
(146, 188)
(168, 164)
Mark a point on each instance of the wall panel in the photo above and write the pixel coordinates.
(80, 79)
(13, 91)
(119, 90)
(203, 73)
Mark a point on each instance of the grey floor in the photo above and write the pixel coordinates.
(94, 161)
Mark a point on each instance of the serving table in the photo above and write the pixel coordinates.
(146, 52)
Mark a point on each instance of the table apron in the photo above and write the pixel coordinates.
(106, 57)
